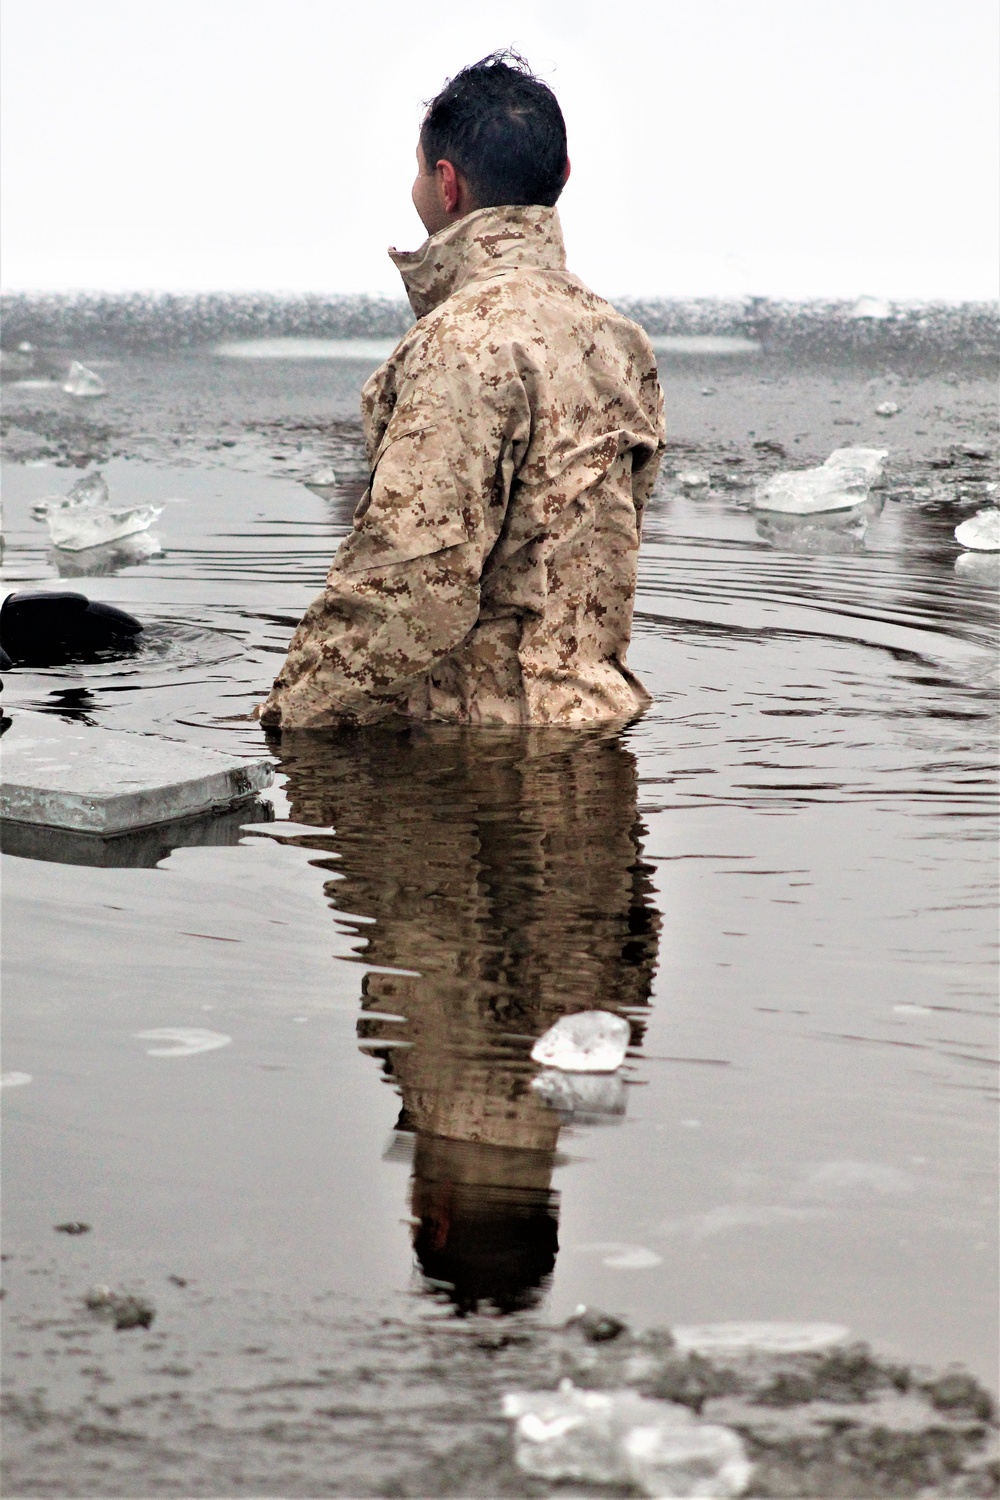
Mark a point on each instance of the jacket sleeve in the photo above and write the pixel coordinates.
(646, 462)
(404, 587)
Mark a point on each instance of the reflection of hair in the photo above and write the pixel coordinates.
(502, 128)
(484, 1243)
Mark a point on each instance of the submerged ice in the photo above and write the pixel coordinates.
(582, 1094)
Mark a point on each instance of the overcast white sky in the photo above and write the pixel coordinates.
(778, 147)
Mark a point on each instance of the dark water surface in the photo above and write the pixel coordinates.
(783, 875)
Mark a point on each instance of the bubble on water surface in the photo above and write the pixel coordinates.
(182, 1041)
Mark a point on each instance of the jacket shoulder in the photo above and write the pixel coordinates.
(501, 309)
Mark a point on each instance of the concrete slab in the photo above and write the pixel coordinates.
(107, 781)
(136, 848)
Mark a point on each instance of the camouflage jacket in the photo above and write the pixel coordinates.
(513, 437)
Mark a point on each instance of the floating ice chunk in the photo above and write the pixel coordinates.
(592, 1041)
(83, 382)
(574, 1434)
(92, 489)
(693, 479)
(184, 1041)
(771, 1338)
(981, 532)
(14, 1080)
(82, 518)
(699, 1460)
(89, 493)
(76, 529)
(872, 307)
(620, 1438)
(886, 409)
(842, 482)
(581, 1093)
(323, 478)
(849, 461)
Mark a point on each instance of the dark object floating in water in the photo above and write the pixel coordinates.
(49, 628)
(597, 1327)
(122, 1309)
(73, 1226)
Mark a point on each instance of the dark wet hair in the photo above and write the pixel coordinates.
(502, 128)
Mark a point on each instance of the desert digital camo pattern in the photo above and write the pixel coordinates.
(513, 437)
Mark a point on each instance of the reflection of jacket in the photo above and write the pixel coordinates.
(501, 872)
(514, 438)
(505, 870)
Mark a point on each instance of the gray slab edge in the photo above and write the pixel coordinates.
(108, 781)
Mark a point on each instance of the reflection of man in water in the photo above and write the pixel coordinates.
(513, 438)
(504, 868)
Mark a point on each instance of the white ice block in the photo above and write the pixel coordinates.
(842, 482)
(981, 532)
(83, 382)
(76, 530)
(591, 1041)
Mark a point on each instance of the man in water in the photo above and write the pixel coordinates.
(513, 438)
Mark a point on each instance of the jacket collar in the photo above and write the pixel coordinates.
(483, 244)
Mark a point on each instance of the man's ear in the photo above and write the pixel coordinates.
(569, 168)
(448, 184)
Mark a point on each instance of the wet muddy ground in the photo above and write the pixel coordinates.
(783, 875)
